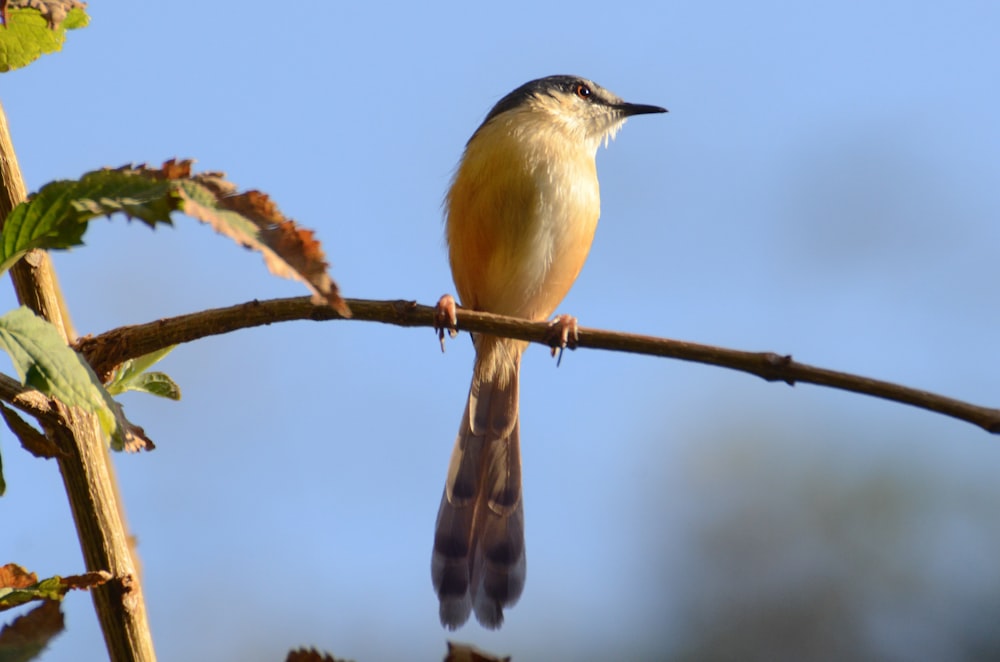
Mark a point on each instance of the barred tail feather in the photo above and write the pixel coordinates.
(478, 563)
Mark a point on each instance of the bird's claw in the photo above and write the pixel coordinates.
(446, 318)
(564, 331)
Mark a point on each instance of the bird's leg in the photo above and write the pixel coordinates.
(564, 331)
(445, 318)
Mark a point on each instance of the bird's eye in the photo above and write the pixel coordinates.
(582, 91)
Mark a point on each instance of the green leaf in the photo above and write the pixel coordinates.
(132, 376)
(56, 216)
(128, 370)
(44, 361)
(14, 597)
(18, 586)
(156, 383)
(29, 33)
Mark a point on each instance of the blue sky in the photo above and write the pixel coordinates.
(825, 185)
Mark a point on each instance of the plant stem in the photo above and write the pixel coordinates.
(85, 466)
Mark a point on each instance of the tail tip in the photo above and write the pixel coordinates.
(454, 611)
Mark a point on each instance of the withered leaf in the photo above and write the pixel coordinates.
(310, 655)
(18, 586)
(253, 220)
(85, 581)
(53, 11)
(26, 637)
(56, 217)
(14, 576)
(467, 653)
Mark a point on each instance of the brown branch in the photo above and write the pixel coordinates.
(109, 349)
(83, 459)
(27, 399)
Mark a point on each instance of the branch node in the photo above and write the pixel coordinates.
(775, 367)
(405, 307)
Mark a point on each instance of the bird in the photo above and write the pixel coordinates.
(520, 216)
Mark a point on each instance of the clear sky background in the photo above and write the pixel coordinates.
(825, 185)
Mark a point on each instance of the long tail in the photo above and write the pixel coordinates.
(478, 561)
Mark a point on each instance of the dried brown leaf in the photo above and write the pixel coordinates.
(468, 653)
(133, 437)
(28, 635)
(87, 580)
(250, 218)
(310, 655)
(14, 576)
(53, 11)
(136, 438)
(289, 251)
(256, 222)
(174, 169)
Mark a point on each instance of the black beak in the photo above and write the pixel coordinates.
(629, 109)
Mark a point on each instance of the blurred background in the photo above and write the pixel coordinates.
(825, 185)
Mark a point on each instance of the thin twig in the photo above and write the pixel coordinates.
(109, 349)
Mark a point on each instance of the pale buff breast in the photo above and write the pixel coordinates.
(521, 219)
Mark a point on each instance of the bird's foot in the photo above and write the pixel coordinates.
(446, 318)
(564, 331)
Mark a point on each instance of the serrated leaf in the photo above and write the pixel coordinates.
(43, 361)
(33, 28)
(311, 655)
(253, 220)
(56, 217)
(14, 576)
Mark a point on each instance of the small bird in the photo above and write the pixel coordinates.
(521, 215)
